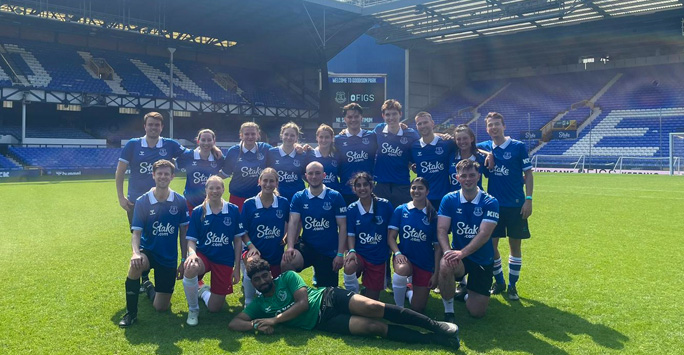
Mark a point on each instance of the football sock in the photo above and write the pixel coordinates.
(132, 289)
(514, 265)
(498, 272)
(409, 295)
(351, 282)
(248, 289)
(190, 287)
(448, 305)
(399, 287)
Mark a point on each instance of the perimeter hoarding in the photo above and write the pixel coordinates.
(367, 90)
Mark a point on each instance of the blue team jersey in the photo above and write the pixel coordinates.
(216, 233)
(394, 154)
(369, 228)
(330, 165)
(478, 157)
(355, 153)
(158, 222)
(319, 218)
(266, 226)
(140, 158)
(198, 171)
(245, 166)
(506, 181)
(432, 163)
(291, 169)
(417, 235)
(466, 219)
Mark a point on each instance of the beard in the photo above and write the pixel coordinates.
(266, 288)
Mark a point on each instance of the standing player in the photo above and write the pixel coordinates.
(199, 164)
(356, 149)
(432, 154)
(289, 164)
(326, 155)
(265, 217)
(393, 155)
(512, 170)
(322, 213)
(214, 240)
(418, 251)
(465, 149)
(367, 221)
(471, 215)
(160, 221)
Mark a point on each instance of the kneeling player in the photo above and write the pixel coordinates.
(158, 217)
(288, 300)
(472, 215)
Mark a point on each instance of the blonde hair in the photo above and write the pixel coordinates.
(391, 104)
(289, 125)
(270, 170)
(325, 128)
(205, 130)
(250, 124)
(205, 204)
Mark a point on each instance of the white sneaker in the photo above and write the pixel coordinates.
(193, 318)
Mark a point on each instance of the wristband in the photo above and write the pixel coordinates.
(340, 254)
(445, 253)
(397, 253)
(528, 198)
(351, 251)
(255, 325)
(182, 260)
(248, 243)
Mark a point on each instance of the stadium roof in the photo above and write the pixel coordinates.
(449, 21)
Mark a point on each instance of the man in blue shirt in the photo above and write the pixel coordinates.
(512, 170)
(471, 215)
(322, 213)
(160, 223)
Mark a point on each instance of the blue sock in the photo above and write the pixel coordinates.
(514, 265)
(498, 272)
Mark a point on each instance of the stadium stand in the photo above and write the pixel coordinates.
(8, 164)
(66, 158)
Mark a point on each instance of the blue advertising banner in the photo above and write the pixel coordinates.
(564, 134)
(525, 135)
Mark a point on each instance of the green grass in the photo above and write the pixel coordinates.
(600, 275)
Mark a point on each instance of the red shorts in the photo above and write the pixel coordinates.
(237, 201)
(373, 275)
(275, 269)
(190, 207)
(421, 278)
(221, 276)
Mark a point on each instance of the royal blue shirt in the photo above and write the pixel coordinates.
(319, 218)
(432, 163)
(198, 171)
(506, 181)
(417, 235)
(158, 222)
(466, 219)
(369, 228)
(245, 166)
(140, 157)
(330, 167)
(478, 157)
(216, 233)
(291, 169)
(355, 153)
(394, 154)
(266, 226)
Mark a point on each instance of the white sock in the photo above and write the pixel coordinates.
(399, 287)
(465, 298)
(409, 295)
(248, 289)
(205, 297)
(351, 282)
(190, 288)
(448, 305)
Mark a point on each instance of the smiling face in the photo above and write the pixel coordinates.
(153, 127)
(468, 179)
(214, 189)
(206, 141)
(315, 174)
(263, 281)
(464, 141)
(324, 139)
(425, 125)
(353, 120)
(249, 136)
(162, 177)
(495, 127)
(418, 191)
(289, 137)
(391, 117)
(362, 188)
(268, 182)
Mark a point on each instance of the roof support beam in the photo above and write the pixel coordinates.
(600, 11)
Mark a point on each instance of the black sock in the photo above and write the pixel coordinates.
(145, 275)
(407, 316)
(132, 289)
(406, 335)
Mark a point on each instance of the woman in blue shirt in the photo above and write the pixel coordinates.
(288, 163)
(199, 164)
(326, 154)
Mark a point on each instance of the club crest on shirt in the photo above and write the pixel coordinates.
(173, 210)
(426, 221)
(296, 162)
(282, 295)
(507, 155)
(365, 141)
(228, 221)
(333, 163)
(162, 152)
(260, 156)
(213, 164)
(279, 213)
(439, 151)
(327, 206)
(403, 140)
(477, 211)
(378, 220)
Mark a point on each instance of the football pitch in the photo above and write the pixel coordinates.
(601, 274)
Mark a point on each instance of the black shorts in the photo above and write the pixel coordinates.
(334, 315)
(479, 276)
(164, 276)
(396, 194)
(511, 224)
(325, 276)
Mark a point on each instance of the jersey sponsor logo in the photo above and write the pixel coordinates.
(413, 234)
(250, 172)
(390, 150)
(466, 231)
(507, 155)
(199, 178)
(284, 176)
(279, 214)
(403, 140)
(282, 295)
(453, 179)
(266, 232)
(173, 210)
(501, 170)
(216, 240)
(439, 151)
(356, 156)
(314, 224)
(260, 156)
(227, 221)
(492, 214)
(378, 220)
(327, 206)
(477, 211)
(370, 238)
(145, 167)
(162, 230)
(427, 167)
(163, 152)
(296, 163)
(365, 141)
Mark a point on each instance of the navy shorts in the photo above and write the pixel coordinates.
(334, 315)
(164, 276)
(511, 224)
